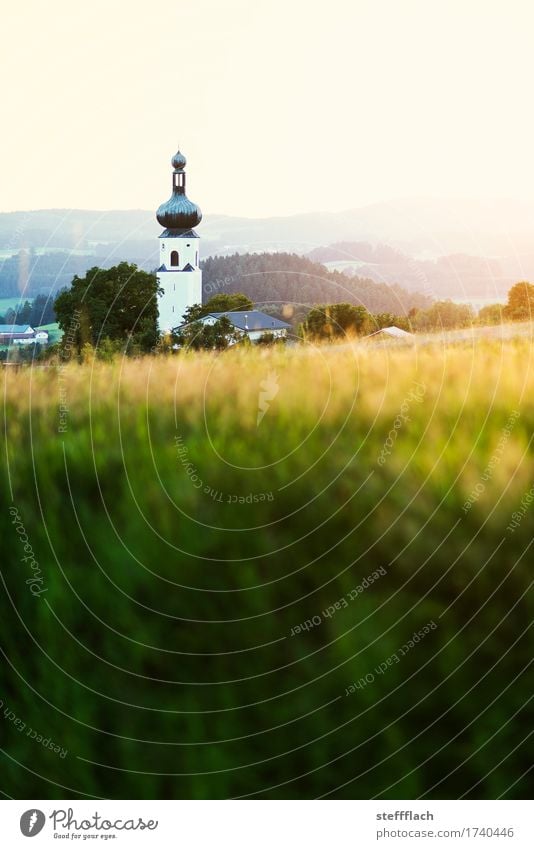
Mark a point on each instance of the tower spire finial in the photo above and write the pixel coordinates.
(179, 213)
(178, 161)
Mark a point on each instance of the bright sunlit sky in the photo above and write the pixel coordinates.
(280, 106)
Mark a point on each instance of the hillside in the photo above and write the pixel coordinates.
(266, 278)
(281, 278)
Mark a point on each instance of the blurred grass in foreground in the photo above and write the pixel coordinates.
(180, 542)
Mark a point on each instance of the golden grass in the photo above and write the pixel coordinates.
(170, 582)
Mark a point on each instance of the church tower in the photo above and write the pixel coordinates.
(179, 273)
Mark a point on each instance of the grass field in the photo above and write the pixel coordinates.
(270, 573)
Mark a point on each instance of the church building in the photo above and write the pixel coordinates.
(179, 273)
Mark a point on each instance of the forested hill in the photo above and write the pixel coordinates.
(280, 278)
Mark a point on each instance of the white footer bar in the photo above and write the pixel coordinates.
(268, 824)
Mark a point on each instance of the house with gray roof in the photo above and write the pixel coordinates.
(251, 323)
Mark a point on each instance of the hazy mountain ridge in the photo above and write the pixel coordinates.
(446, 248)
(454, 275)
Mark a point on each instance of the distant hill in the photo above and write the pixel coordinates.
(455, 275)
(454, 247)
(415, 226)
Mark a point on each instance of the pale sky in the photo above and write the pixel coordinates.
(280, 106)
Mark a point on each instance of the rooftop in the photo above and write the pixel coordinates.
(15, 328)
(251, 320)
(390, 331)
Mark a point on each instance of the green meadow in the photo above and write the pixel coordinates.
(280, 573)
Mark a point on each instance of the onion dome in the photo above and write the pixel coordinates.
(179, 213)
(178, 161)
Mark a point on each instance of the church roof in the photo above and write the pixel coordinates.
(179, 213)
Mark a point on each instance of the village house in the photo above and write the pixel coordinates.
(390, 333)
(22, 334)
(252, 323)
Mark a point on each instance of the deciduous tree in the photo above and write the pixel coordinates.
(119, 304)
(520, 306)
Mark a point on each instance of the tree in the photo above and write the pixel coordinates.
(219, 303)
(491, 314)
(269, 338)
(193, 313)
(119, 304)
(42, 311)
(443, 315)
(24, 313)
(334, 321)
(10, 317)
(198, 336)
(37, 312)
(520, 306)
(386, 319)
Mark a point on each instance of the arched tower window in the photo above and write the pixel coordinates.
(175, 260)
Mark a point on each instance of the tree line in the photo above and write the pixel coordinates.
(115, 310)
(37, 312)
(34, 273)
(519, 306)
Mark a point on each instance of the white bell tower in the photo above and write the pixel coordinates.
(179, 273)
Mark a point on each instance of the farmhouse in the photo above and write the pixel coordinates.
(21, 334)
(391, 333)
(252, 323)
